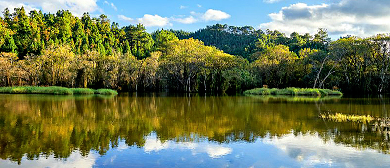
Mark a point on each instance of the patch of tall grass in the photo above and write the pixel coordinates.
(289, 98)
(36, 90)
(106, 92)
(293, 92)
(339, 117)
(82, 91)
(55, 90)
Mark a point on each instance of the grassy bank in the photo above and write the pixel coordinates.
(55, 90)
(293, 92)
(288, 98)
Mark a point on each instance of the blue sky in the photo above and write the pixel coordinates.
(340, 17)
(250, 12)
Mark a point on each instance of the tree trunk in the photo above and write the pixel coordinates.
(319, 72)
(322, 82)
(204, 83)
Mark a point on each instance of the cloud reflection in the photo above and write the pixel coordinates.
(74, 160)
(311, 151)
(216, 151)
(152, 143)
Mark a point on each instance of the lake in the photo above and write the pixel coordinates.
(162, 130)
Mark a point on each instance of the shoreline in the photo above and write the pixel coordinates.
(294, 92)
(55, 90)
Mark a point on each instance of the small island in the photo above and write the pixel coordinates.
(293, 92)
(55, 90)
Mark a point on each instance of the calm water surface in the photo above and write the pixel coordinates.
(158, 130)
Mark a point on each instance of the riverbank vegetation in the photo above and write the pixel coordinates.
(60, 49)
(339, 117)
(289, 98)
(56, 90)
(293, 92)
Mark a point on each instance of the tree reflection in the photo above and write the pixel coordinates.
(36, 125)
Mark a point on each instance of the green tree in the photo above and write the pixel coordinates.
(274, 67)
(162, 38)
(22, 37)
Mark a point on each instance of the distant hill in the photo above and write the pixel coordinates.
(231, 39)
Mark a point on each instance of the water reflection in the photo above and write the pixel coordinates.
(311, 151)
(74, 160)
(213, 150)
(199, 131)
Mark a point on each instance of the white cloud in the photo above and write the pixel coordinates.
(153, 20)
(183, 7)
(346, 17)
(122, 17)
(148, 20)
(158, 21)
(215, 15)
(198, 5)
(271, 1)
(12, 5)
(187, 20)
(77, 7)
(209, 15)
(111, 4)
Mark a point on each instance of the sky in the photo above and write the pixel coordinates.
(362, 18)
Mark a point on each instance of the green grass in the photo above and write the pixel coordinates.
(106, 92)
(289, 98)
(36, 90)
(82, 91)
(293, 92)
(55, 90)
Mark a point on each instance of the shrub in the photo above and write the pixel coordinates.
(293, 92)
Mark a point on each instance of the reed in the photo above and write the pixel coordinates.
(339, 117)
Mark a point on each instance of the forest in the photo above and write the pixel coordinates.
(44, 49)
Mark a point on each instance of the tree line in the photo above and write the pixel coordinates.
(61, 49)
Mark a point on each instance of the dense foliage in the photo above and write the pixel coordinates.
(63, 50)
(245, 41)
